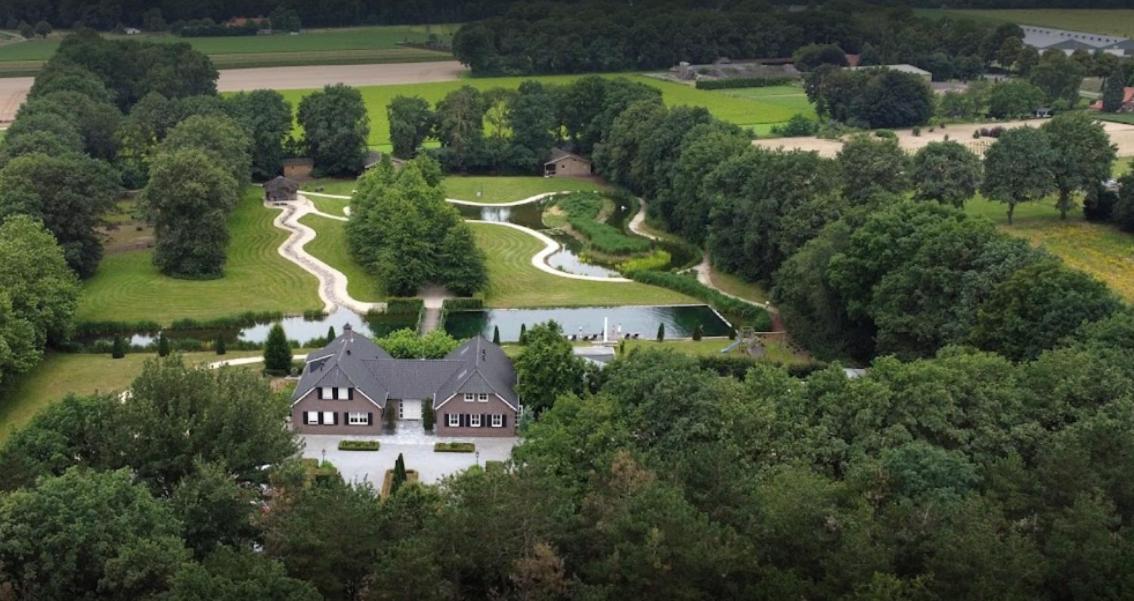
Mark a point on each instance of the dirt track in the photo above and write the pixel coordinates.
(13, 90)
(1121, 135)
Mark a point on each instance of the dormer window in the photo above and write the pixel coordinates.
(482, 397)
(469, 397)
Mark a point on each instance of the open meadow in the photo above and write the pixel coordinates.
(756, 108)
(1099, 249)
(128, 287)
(351, 45)
(1092, 20)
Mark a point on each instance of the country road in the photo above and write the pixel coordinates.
(14, 90)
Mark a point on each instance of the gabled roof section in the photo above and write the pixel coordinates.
(485, 367)
(343, 362)
(558, 154)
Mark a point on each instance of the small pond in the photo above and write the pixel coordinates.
(679, 320)
(296, 327)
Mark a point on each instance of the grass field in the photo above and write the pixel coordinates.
(756, 109)
(61, 374)
(1095, 248)
(1106, 21)
(128, 287)
(514, 282)
(330, 246)
(329, 185)
(331, 206)
(353, 45)
(499, 189)
(738, 287)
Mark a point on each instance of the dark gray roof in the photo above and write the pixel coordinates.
(1070, 45)
(352, 360)
(281, 183)
(558, 154)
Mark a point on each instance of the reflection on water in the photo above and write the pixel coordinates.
(296, 328)
(680, 321)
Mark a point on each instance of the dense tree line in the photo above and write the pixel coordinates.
(153, 15)
(961, 476)
(402, 230)
(598, 36)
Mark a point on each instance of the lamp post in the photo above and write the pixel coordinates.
(478, 458)
(324, 455)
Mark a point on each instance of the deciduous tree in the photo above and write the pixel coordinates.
(946, 172)
(1083, 156)
(547, 367)
(335, 128)
(1019, 167)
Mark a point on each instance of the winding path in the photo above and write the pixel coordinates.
(539, 260)
(332, 282)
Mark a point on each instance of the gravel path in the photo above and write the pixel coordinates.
(514, 203)
(332, 282)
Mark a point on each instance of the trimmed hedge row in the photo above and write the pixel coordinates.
(742, 82)
(454, 447)
(359, 445)
(736, 310)
(581, 209)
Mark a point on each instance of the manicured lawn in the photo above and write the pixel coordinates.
(778, 104)
(128, 287)
(353, 45)
(330, 246)
(1101, 250)
(754, 110)
(1105, 21)
(738, 287)
(514, 282)
(330, 206)
(330, 185)
(60, 374)
(493, 189)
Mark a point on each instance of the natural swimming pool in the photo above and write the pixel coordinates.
(679, 320)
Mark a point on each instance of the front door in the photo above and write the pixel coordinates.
(410, 409)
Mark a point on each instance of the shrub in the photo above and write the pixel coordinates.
(742, 82)
(581, 209)
(735, 366)
(163, 347)
(916, 131)
(698, 333)
(277, 351)
(454, 447)
(797, 126)
(359, 445)
(976, 134)
(118, 350)
(886, 134)
(661, 332)
(427, 416)
(219, 345)
(657, 260)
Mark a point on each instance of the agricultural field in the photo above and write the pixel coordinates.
(753, 108)
(1105, 21)
(128, 287)
(514, 282)
(501, 189)
(60, 374)
(1099, 249)
(353, 45)
(330, 247)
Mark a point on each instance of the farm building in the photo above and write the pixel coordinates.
(1127, 102)
(280, 189)
(922, 73)
(565, 163)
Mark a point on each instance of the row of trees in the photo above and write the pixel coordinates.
(962, 476)
(598, 36)
(523, 125)
(402, 230)
(151, 15)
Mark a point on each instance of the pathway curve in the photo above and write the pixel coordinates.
(332, 282)
(245, 361)
(539, 260)
(704, 269)
(514, 203)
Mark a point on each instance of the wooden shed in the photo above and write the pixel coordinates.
(565, 163)
(280, 188)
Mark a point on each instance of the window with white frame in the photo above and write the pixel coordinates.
(326, 393)
(474, 420)
(311, 418)
(344, 393)
(469, 397)
(357, 419)
(482, 397)
(454, 420)
(328, 418)
(497, 420)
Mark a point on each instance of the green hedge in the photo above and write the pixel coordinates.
(742, 82)
(462, 304)
(735, 310)
(404, 306)
(581, 209)
(359, 445)
(454, 447)
(659, 259)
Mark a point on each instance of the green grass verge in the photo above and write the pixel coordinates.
(330, 206)
(738, 287)
(751, 110)
(330, 247)
(343, 41)
(1118, 22)
(330, 185)
(61, 374)
(128, 287)
(500, 189)
(694, 348)
(515, 282)
(359, 445)
(1101, 250)
(453, 447)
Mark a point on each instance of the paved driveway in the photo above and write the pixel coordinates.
(415, 446)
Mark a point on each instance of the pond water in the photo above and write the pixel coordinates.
(296, 327)
(679, 321)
